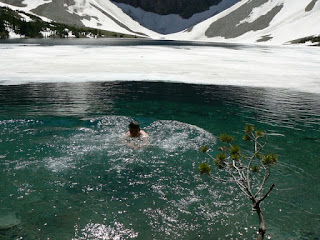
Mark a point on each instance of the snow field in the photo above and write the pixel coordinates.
(296, 68)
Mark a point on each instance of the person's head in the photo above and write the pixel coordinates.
(134, 129)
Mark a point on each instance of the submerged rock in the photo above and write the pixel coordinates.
(8, 221)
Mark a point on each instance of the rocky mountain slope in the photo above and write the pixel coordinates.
(100, 14)
(19, 24)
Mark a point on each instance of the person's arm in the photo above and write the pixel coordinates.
(145, 139)
(124, 138)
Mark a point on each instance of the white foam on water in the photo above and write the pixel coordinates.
(101, 231)
(173, 135)
(296, 68)
(100, 139)
(59, 164)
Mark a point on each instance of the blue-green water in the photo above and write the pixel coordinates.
(66, 175)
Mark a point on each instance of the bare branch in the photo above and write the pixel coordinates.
(210, 156)
(261, 146)
(242, 187)
(266, 195)
(238, 170)
(265, 178)
(248, 171)
(256, 151)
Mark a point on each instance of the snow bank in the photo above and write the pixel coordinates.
(295, 68)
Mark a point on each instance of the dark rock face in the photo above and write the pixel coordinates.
(230, 27)
(57, 11)
(185, 8)
(17, 3)
(311, 5)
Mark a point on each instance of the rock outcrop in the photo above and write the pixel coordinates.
(184, 8)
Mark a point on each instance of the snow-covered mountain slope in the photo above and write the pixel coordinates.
(172, 23)
(247, 21)
(267, 21)
(101, 14)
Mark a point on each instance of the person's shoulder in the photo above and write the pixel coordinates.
(143, 133)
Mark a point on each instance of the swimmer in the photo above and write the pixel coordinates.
(135, 130)
(135, 137)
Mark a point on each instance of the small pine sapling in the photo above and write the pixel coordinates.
(249, 171)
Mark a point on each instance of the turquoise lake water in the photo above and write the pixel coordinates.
(66, 175)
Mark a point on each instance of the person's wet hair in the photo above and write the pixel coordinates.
(134, 125)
